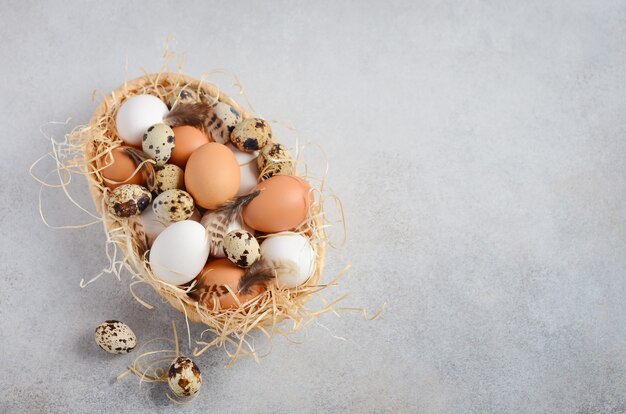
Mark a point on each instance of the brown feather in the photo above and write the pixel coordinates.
(283, 267)
(139, 234)
(217, 221)
(192, 114)
(260, 272)
(232, 208)
(148, 168)
(216, 230)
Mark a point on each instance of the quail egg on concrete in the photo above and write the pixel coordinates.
(115, 337)
(184, 377)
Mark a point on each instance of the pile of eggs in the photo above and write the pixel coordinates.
(183, 376)
(198, 172)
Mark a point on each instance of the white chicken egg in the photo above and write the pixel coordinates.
(290, 247)
(248, 168)
(136, 115)
(153, 226)
(179, 253)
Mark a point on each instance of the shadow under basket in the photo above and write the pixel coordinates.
(230, 326)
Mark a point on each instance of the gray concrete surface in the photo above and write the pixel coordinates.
(479, 149)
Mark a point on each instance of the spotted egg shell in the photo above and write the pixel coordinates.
(184, 377)
(153, 226)
(241, 248)
(222, 121)
(128, 200)
(173, 205)
(158, 143)
(115, 337)
(251, 134)
(169, 177)
(275, 159)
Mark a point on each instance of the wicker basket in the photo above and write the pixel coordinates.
(264, 313)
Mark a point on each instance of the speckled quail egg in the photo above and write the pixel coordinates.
(173, 205)
(115, 337)
(275, 159)
(251, 134)
(183, 95)
(223, 120)
(241, 248)
(169, 177)
(158, 143)
(184, 377)
(128, 200)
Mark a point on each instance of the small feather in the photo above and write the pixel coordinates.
(148, 168)
(192, 114)
(232, 208)
(214, 225)
(283, 267)
(261, 272)
(139, 234)
(217, 222)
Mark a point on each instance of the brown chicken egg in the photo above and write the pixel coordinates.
(212, 175)
(120, 167)
(212, 285)
(283, 204)
(188, 139)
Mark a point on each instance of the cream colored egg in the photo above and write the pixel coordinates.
(241, 248)
(184, 377)
(222, 121)
(251, 134)
(173, 205)
(115, 337)
(158, 143)
(274, 159)
(169, 177)
(128, 200)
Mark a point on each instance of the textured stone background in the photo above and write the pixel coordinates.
(479, 149)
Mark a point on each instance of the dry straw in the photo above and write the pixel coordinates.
(276, 311)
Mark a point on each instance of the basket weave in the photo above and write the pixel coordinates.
(164, 85)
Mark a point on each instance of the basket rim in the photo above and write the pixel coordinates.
(125, 90)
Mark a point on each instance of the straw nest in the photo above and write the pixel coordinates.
(228, 327)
